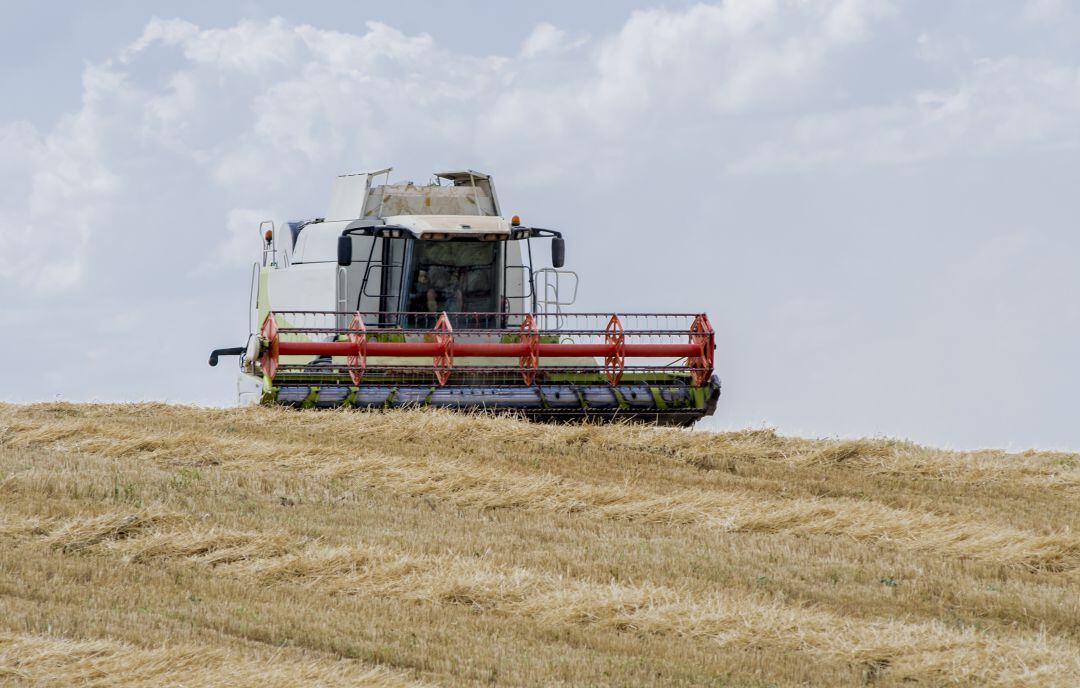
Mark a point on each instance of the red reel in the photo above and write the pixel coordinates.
(357, 362)
(703, 337)
(269, 358)
(530, 361)
(615, 362)
(444, 360)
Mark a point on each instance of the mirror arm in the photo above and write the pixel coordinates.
(558, 245)
(538, 232)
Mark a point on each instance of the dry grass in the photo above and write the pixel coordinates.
(50, 661)
(464, 550)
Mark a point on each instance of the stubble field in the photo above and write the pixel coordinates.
(166, 545)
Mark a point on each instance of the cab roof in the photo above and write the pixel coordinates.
(317, 242)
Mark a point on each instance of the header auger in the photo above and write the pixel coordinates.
(445, 308)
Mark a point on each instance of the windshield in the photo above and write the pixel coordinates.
(453, 276)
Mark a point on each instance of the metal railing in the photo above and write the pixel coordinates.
(551, 298)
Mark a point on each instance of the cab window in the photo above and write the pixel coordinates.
(453, 276)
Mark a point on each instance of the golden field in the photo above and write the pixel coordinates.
(167, 545)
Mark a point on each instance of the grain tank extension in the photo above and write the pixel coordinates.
(426, 295)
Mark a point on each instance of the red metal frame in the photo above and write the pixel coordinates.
(615, 340)
(444, 359)
(493, 349)
(702, 337)
(357, 361)
(529, 361)
(269, 358)
(442, 349)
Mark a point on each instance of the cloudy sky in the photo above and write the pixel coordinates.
(876, 202)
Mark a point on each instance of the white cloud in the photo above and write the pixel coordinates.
(729, 57)
(1002, 105)
(254, 112)
(54, 191)
(548, 39)
(250, 47)
(165, 31)
(669, 74)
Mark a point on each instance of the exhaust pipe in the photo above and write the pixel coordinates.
(231, 351)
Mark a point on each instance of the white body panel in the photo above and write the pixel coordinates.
(249, 389)
(350, 194)
(452, 225)
(305, 287)
(317, 243)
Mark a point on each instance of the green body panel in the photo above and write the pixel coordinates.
(262, 299)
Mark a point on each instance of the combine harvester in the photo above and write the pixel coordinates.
(408, 295)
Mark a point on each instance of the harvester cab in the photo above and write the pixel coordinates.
(426, 295)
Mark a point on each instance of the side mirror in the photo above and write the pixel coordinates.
(344, 250)
(558, 252)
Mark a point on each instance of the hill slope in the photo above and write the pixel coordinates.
(155, 544)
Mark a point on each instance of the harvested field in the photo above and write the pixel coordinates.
(153, 544)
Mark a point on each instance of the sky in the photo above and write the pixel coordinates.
(875, 201)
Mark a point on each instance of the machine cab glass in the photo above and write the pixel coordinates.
(453, 276)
